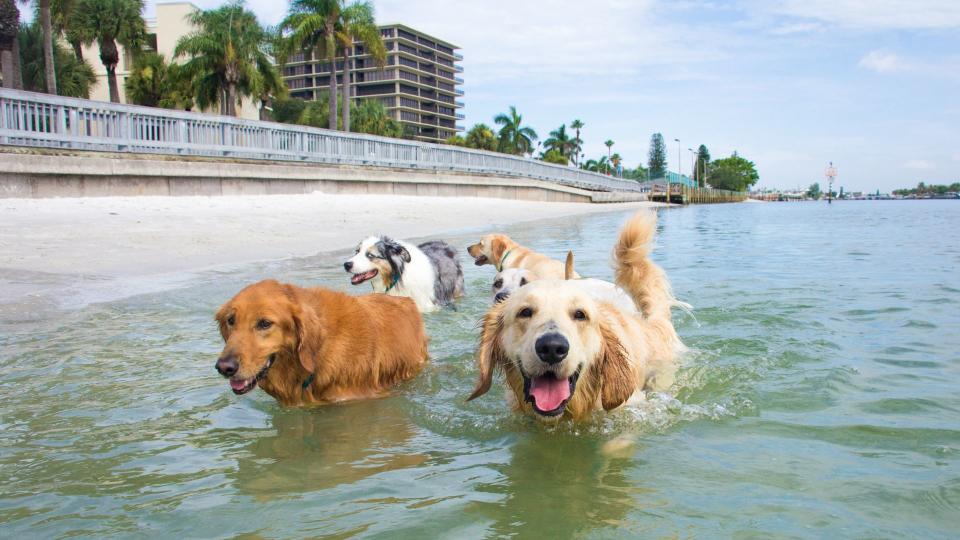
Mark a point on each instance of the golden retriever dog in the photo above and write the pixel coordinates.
(310, 346)
(566, 353)
(502, 252)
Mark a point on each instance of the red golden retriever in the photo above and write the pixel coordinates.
(310, 346)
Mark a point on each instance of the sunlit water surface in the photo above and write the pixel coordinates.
(820, 399)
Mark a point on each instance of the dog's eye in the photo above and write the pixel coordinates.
(497, 284)
(369, 255)
(231, 320)
(523, 281)
(579, 315)
(264, 324)
(525, 313)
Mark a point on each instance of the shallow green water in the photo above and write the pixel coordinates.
(820, 400)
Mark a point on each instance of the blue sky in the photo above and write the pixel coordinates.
(873, 85)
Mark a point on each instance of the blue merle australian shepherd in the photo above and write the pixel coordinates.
(430, 273)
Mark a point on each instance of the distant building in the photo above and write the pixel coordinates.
(418, 85)
(163, 33)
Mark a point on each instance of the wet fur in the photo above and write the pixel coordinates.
(494, 246)
(625, 352)
(356, 346)
(430, 273)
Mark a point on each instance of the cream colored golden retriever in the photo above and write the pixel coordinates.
(565, 352)
(502, 252)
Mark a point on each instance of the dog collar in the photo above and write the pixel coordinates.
(396, 279)
(502, 259)
(308, 381)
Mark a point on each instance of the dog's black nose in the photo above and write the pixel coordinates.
(347, 266)
(500, 297)
(552, 348)
(227, 365)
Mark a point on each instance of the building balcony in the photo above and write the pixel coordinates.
(459, 92)
(458, 80)
(457, 56)
(458, 103)
(458, 69)
(460, 116)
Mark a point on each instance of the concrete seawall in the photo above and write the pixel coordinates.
(40, 173)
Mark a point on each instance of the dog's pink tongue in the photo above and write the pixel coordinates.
(238, 385)
(549, 392)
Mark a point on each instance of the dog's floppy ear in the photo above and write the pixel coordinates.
(394, 248)
(309, 331)
(616, 378)
(221, 318)
(568, 266)
(490, 356)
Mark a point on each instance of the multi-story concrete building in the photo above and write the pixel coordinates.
(163, 32)
(419, 85)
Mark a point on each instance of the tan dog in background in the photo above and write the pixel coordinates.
(502, 252)
(565, 353)
(309, 346)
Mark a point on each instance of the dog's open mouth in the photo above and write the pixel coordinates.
(365, 276)
(242, 386)
(548, 394)
(481, 260)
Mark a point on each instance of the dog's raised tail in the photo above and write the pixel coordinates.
(636, 273)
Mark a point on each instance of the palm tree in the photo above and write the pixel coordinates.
(74, 77)
(515, 138)
(560, 141)
(109, 22)
(358, 24)
(9, 29)
(482, 137)
(50, 75)
(576, 125)
(609, 145)
(228, 56)
(155, 83)
(371, 117)
(312, 26)
(61, 12)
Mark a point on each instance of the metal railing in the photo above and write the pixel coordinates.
(41, 120)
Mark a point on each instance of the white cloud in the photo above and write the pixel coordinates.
(919, 165)
(797, 28)
(882, 62)
(875, 14)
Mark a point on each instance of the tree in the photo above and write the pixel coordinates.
(482, 137)
(515, 138)
(50, 76)
(154, 83)
(357, 23)
(814, 191)
(455, 140)
(74, 77)
(554, 156)
(9, 29)
(702, 166)
(560, 141)
(109, 22)
(615, 160)
(312, 26)
(609, 144)
(577, 125)
(228, 57)
(61, 12)
(733, 173)
(657, 158)
(371, 117)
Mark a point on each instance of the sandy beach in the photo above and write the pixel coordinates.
(123, 236)
(48, 244)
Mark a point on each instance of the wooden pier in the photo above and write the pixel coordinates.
(683, 194)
